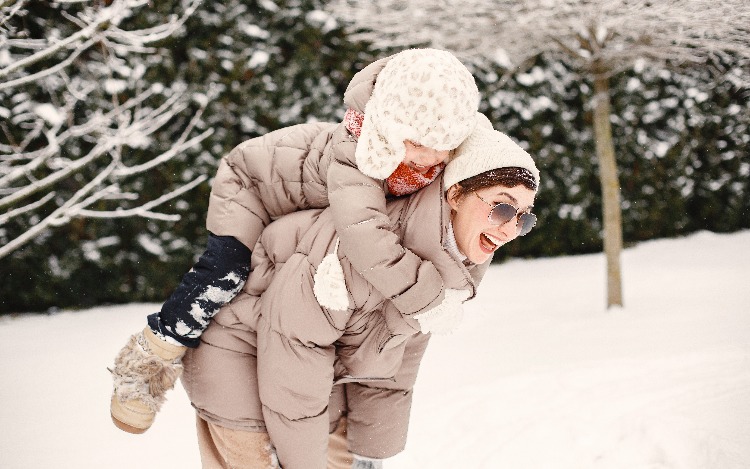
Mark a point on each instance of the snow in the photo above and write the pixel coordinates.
(201, 99)
(138, 139)
(5, 58)
(254, 30)
(114, 86)
(151, 245)
(539, 375)
(536, 75)
(258, 59)
(91, 249)
(322, 19)
(50, 113)
(661, 148)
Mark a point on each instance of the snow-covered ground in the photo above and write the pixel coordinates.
(538, 376)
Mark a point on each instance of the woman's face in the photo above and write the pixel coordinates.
(421, 158)
(476, 237)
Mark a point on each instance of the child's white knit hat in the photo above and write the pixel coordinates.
(486, 149)
(423, 95)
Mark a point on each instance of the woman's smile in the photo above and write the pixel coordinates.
(489, 243)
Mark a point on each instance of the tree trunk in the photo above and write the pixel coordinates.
(611, 208)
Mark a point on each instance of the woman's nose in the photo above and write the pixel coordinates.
(508, 231)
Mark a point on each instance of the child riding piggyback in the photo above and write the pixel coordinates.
(406, 113)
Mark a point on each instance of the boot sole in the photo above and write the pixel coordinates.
(120, 414)
(127, 428)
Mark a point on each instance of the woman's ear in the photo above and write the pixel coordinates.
(452, 196)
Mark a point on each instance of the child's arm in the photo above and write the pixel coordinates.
(374, 250)
(149, 364)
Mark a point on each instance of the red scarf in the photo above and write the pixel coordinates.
(404, 180)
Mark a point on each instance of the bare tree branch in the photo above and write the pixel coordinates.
(46, 72)
(57, 165)
(56, 218)
(145, 209)
(27, 208)
(621, 30)
(101, 24)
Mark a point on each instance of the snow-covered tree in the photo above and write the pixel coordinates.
(78, 119)
(261, 64)
(596, 38)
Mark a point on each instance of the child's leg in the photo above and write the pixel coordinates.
(215, 279)
(142, 373)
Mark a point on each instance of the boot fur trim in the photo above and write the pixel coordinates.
(142, 375)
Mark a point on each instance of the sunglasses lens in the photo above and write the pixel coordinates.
(502, 214)
(525, 223)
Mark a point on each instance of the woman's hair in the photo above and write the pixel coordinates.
(509, 177)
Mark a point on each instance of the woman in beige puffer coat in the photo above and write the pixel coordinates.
(280, 360)
(405, 114)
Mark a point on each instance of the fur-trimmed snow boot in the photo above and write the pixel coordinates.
(145, 369)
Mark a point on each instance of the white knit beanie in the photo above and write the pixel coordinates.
(486, 149)
(423, 95)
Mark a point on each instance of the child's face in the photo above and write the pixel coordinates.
(421, 158)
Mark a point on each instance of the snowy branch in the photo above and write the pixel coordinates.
(46, 72)
(28, 208)
(145, 209)
(100, 26)
(6, 13)
(78, 139)
(608, 34)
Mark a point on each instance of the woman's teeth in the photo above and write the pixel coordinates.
(490, 242)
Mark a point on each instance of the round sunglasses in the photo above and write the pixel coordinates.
(502, 213)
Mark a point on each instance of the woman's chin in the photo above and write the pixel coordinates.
(481, 255)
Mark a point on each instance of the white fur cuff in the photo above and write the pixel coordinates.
(329, 284)
(445, 317)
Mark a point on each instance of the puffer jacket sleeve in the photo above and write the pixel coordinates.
(368, 240)
(378, 415)
(267, 177)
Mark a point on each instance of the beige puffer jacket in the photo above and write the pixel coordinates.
(313, 166)
(280, 357)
